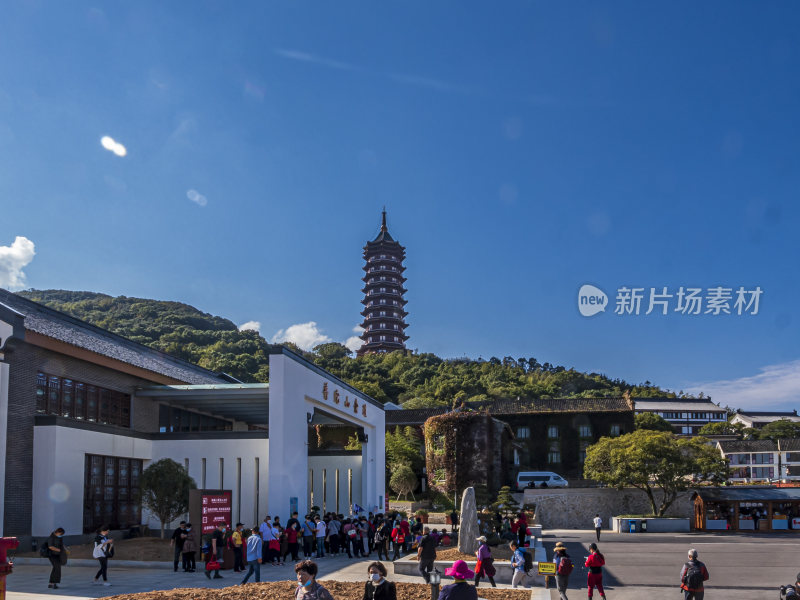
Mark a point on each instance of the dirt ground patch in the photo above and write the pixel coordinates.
(498, 553)
(141, 548)
(280, 590)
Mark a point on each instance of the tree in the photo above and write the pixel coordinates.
(727, 428)
(404, 447)
(353, 443)
(164, 490)
(505, 504)
(652, 422)
(652, 461)
(782, 429)
(403, 481)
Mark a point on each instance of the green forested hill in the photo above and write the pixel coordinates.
(415, 380)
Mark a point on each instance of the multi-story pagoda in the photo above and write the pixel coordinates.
(384, 305)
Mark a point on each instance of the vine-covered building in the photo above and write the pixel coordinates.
(547, 434)
(384, 303)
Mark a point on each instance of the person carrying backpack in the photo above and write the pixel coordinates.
(693, 574)
(564, 567)
(595, 562)
(517, 564)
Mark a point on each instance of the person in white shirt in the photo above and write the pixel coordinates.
(598, 525)
(319, 532)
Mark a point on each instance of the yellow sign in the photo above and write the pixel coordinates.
(547, 568)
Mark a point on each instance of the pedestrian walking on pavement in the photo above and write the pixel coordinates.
(564, 567)
(484, 566)
(215, 551)
(693, 574)
(57, 553)
(255, 555)
(598, 526)
(595, 562)
(103, 550)
(517, 564)
(426, 554)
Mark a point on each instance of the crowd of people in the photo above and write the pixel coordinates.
(316, 536)
(331, 535)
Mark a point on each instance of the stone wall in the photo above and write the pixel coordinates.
(575, 508)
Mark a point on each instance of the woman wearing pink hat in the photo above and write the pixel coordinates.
(460, 590)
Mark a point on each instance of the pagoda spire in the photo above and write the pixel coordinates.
(384, 303)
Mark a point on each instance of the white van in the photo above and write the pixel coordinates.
(540, 479)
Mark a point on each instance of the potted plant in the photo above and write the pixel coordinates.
(422, 515)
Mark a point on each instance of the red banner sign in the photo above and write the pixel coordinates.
(215, 510)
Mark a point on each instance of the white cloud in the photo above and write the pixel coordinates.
(250, 325)
(354, 343)
(775, 387)
(305, 335)
(196, 197)
(112, 145)
(13, 259)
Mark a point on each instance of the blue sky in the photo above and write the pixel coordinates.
(522, 150)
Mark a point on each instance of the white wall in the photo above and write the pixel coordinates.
(229, 450)
(296, 390)
(59, 473)
(330, 464)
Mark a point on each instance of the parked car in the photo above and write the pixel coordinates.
(540, 479)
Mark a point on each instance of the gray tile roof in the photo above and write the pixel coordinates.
(60, 326)
(679, 404)
(748, 446)
(513, 406)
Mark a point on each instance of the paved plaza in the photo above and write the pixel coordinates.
(742, 566)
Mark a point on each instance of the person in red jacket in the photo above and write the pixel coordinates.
(406, 534)
(693, 574)
(595, 562)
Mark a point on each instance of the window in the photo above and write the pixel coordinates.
(383, 313)
(763, 472)
(516, 456)
(614, 430)
(671, 415)
(111, 487)
(175, 420)
(523, 433)
(763, 458)
(396, 339)
(793, 457)
(553, 457)
(552, 432)
(582, 456)
(739, 459)
(585, 431)
(78, 400)
(383, 338)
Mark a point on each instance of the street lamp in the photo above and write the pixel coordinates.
(436, 579)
